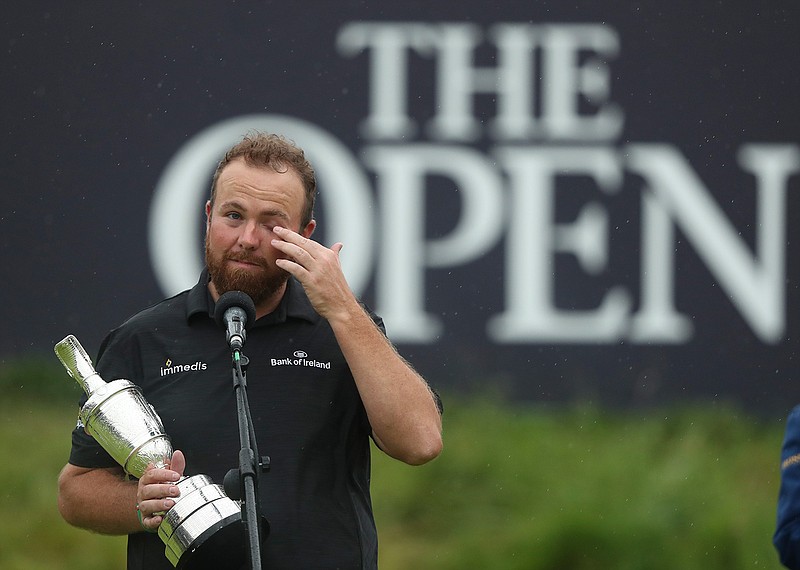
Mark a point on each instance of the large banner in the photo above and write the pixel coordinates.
(593, 202)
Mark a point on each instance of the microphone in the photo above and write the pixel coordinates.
(234, 311)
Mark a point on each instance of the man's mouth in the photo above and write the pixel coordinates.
(245, 262)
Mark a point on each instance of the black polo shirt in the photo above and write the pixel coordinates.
(308, 416)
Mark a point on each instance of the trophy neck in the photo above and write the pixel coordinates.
(78, 364)
(91, 383)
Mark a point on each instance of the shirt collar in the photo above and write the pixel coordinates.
(294, 303)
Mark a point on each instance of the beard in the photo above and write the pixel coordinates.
(259, 284)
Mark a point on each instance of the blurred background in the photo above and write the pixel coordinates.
(578, 220)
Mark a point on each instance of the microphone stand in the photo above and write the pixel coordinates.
(247, 476)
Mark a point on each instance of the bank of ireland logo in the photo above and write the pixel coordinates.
(300, 358)
(174, 235)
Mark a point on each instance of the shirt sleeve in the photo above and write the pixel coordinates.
(787, 533)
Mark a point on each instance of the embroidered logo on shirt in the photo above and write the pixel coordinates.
(300, 358)
(170, 368)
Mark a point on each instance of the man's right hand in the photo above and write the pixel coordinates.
(157, 491)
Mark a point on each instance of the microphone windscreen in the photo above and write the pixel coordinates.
(234, 299)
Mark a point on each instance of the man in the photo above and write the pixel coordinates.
(322, 379)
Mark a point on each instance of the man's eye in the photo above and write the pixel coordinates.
(234, 215)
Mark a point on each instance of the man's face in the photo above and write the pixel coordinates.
(250, 201)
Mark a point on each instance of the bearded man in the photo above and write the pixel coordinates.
(312, 415)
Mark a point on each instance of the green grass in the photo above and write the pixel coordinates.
(34, 445)
(521, 488)
(516, 488)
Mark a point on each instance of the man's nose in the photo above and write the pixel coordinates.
(250, 236)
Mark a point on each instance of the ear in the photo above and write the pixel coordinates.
(309, 229)
(208, 214)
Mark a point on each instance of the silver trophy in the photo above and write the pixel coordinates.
(203, 519)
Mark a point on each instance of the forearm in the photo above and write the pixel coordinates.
(402, 411)
(100, 500)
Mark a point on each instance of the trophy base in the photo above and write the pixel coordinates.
(222, 545)
(204, 528)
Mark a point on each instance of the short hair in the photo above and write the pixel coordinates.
(278, 153)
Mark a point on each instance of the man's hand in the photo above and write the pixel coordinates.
(318, 269)
(157, 490)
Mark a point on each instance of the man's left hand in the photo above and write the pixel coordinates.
(317, 268)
